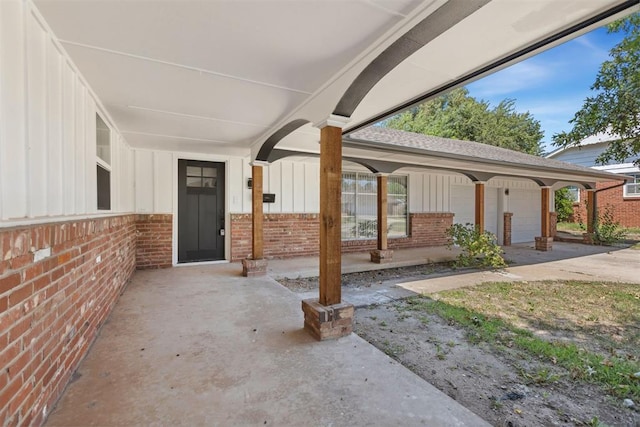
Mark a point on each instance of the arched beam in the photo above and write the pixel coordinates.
(267, 147)
(448, 15)
(583, 185)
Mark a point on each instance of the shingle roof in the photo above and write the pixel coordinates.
(468, 150)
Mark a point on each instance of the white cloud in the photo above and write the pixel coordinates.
(596, 53)
(518, 77)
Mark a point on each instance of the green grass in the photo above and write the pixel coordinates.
(569, 226)
(614, 373)
(574, 226)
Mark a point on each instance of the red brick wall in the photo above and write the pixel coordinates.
(290, 235)
(58, 283)
(52, 308)
(285, 235)
(626, 211)
(153, 244)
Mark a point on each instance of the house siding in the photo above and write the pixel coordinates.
(625, 210)
(48, 147)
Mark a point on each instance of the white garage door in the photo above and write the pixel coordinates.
(463, 199)
(525, 205)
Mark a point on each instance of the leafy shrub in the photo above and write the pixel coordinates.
(479, 249)
(564, 204)
(607, 231)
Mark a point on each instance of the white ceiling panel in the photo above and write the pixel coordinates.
(122, 81)
(170, 123)
(294, 44)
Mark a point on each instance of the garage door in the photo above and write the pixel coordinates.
(463, 199)
(525, 205)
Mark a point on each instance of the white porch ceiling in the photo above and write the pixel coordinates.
(221, 76)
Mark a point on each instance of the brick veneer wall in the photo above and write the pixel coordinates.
(290, 235)
(153, 243)
(626, 211)
(58, 283)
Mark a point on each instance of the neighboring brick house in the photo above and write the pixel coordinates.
(621, 199)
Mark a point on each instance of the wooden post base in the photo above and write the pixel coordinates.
(380, 256)
(327, 322)
(544, 243)
(254, 267)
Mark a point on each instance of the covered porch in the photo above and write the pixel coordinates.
(201, 345)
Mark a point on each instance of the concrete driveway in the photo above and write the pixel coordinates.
(567, 261)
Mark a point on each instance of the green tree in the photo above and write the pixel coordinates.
(460, 116)
(615, 106)
(563, 203)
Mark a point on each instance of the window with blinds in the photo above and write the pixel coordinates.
(360, 208)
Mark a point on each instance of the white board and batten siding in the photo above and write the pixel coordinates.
(523, 201)
(48, 127)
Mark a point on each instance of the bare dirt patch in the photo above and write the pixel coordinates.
(486, 371)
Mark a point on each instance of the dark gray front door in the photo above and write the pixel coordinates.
(200, 211)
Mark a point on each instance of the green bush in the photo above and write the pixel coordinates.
(564, 204)
(479, 249)
(607, 229)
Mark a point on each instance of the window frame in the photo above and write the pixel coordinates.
(104, 165)
(357, 211)
(628, 184)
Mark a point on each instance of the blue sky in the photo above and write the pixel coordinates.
(552, 85)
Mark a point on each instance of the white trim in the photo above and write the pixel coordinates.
(197, 263)
(61, 219)
(227, 215)
(261, 163)
(333, 120)
(630, 183)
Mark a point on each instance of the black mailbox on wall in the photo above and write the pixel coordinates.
(268, 198)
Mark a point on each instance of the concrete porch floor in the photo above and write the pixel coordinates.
(201, 345)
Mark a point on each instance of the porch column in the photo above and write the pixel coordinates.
(591, 217)
(327, 317)
(479, 217)
(382, 254)
(256, 265)
(545, 241)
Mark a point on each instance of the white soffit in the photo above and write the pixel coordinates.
(222, 76)
(214, 70)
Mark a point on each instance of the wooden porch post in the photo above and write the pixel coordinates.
(382, 211)
(479, 217)
(327, 317)
(330, 214)
(545, 241)
(256, 265)
(544, 210)
(257, 212)
(382, 254)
